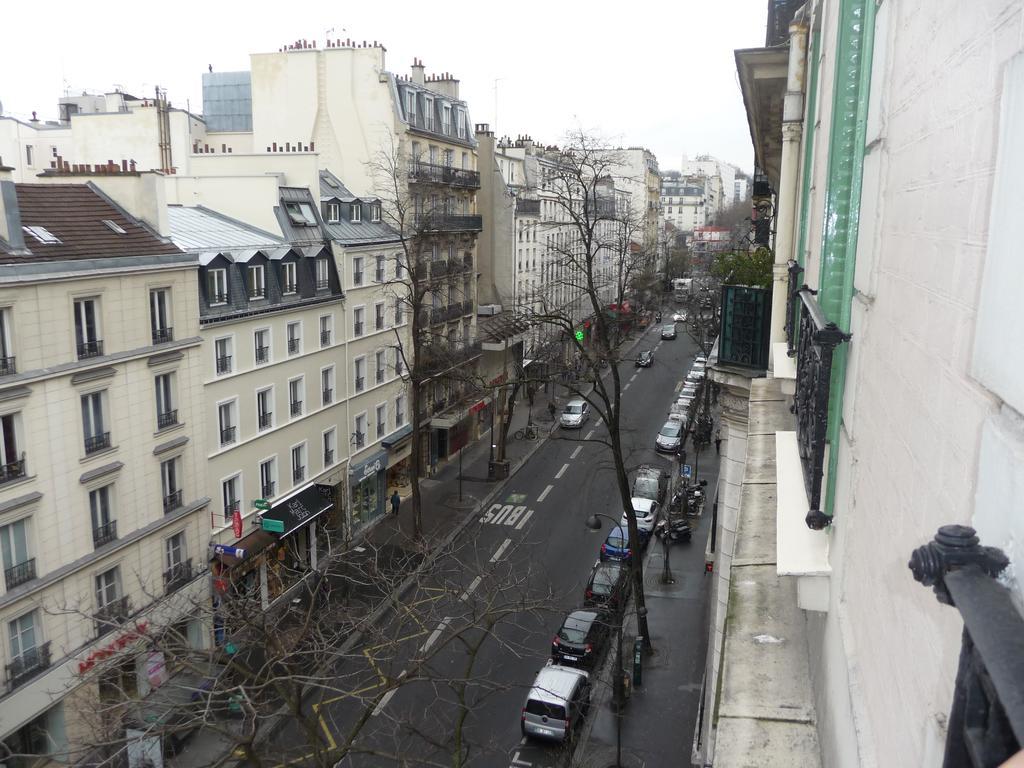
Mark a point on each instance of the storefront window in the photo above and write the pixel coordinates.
(364, 500)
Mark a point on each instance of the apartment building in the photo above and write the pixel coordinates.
(684, 201)
(103, 492)
(639, 177)
(719, 178)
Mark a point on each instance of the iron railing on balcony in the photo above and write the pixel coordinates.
(449, 222)
(267, 489)
(293, 346)
(7, 366)
(357, 328)
(163, 335)
(12, 470)
(111, 615)
(528, 207)
(20, 573)
(26, 666)
(325, 338)
(90, 349)
(745, 326)
(167, 419)
(224, 364)
(104, 534)
(792, 305)
(986, 721)
(323, 283)
(818, 338)
(298, 474)
(177, 576)
(219, 298)
(296, 408)
(444, 174)
(290, 288)
(266, 420)
(227, 435)
(262, 355)
(438, 268)
(230, 508)
(172, 501)
(94, 443)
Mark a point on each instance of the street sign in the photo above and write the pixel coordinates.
(273, 526)
(236, 524)
(686, 471)
(261, 504)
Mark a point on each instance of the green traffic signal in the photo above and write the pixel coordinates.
(579, 335)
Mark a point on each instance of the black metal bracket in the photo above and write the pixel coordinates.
(954, 547)
(795, 270)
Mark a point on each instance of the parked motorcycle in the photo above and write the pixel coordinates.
(695, 498)
(677, 529)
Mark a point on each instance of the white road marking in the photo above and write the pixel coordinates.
(519, 763)
(471, 588)
(383, 701)
(435, 634)
(526, 517)
(625, 387)
(576, 452)
(500, 551)
(544, 493)
(589, 435)
(631, 378)
(678, 387)
(561, 472)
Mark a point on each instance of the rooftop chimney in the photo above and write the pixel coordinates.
(417, 71)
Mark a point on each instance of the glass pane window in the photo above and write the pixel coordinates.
(169, 476)
(289, 273)
(23, 635)
(92, 414)
(217, 286)
(257, 282)
(108, 586)
(14, 543)
(99, 507)
(322, 273)
(175, 550)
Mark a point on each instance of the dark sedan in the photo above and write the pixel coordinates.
(580, 639)
(608, 586)
(645, 359)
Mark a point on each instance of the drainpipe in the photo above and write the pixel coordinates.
(792, 137)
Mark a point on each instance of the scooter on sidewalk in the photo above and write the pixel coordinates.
(677, 529)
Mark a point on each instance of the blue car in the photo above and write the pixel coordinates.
(616, 546)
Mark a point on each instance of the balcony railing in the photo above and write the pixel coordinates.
(447, 222)
(266, 420)
(112, 614)
(792, 304)
(438, 268)
(27, 666)
(163, 335)
(227, 435)
(90, 349)
(528, 207)
(177, 576)
(380, 375)
(94, 443)
(290, 288)
(230, 508)
(986, 721)
(12, 470)
(325, 338)
(104, 534)
(357, 328)
(219, 298)
(293, 346)
(360, 383)
(444, 174)
(7, 366)
(745, 326)
(328, 457)
(818, 339)
(326, 396)
(224, 364)
(167, 419)
(20, 573)
(298, 474)
(172, 501)
(438, 357)
(267, 489)
(323, 283)
(262, 354)
(296, 408)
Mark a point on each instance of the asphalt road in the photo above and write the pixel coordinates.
(515, 573)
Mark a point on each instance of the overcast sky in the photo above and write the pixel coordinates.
(656, 73)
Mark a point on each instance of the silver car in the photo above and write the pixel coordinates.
(576, 412)
(557, 703)
(670, 437)
(668, 331)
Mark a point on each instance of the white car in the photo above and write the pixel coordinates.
(700, 360)
(679, 317)
(646, 512)
(576, 412)
(693, 377)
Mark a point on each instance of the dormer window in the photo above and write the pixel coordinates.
(217, 282)
(446, 119)
(290, 281)
(428, 113)
(333, 212)
(301, 214)
(355, 212)
(375, 212)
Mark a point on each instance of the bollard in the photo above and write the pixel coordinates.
(638, 662)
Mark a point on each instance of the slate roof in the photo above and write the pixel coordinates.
(74, 214)
(199, 228)
(346, 232)
(293, 232)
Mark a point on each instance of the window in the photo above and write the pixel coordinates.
(7, 366)
(257, 282)
(230, 492)
(166, 413)
(29, 155)
(104, 526)
(360, 374)
(374, 211)
(333, 212)
(295, 337)
(360, 434)
(399, 362)
(227, 421)
(222, 349)
(465, 160)
(358, 315)
(379, 272)
(433, 154)
(399, 411)
(12, 462)
(300, 214)
(296, 389)
(326, 330)
(268, 478)
(327, 385)
(169, 471)
(460, 125)
(378, 316)
(382, 420)
(93, 423)
(382, 364)
(217, 285)
(261, 345)
(18, 566)
(357, 270)
(428, 118)
(446, 119)
(87, 329)
(289, 281)
(330, 444)
(323, 274)
(160, 315)
(398, 312)
(449, 158)
(179, 568)
(25, 647)
(355, 212)
(265, 408)
(299, 463)
(410, 109)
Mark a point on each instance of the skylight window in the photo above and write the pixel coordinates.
(301, 214)
(113, 226)
(43, 235)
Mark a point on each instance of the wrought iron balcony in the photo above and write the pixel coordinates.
(94, 443)
(792, 305)
(267, 489)
(360, 383)
(12, 470)
(818, 338)
(290, 288)
(293, 346)
(266, 420)
(227, 435)
(163, 335)
(447, 222)
(986, 720)
(167, 419)
(88, 349)
(177, 576)
(296, 408)
(380, 375)
(23, 668)
(111, 615)
(104, 534)
(224, 364)
(528, 207)
(357, 328)
(321, 284)
(325, 338)
(7, 366)
(298, 474)
(230, 508)
(438, 268)
(172, 501)
(431, 173)
(219, 298)
(328, 457)
(20, 573)
(326, 396)
(262, 355)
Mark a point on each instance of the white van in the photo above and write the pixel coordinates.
(556, 704)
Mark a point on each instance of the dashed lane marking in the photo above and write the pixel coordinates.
(470, 589)
(525, 517)
(544, 493)
(500, 551)
(631, 378)
(561, 472)
(576, 452)
(435, 634)
(626, 387)
(589, 435)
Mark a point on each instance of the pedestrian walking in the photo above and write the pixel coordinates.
(396, 501)
(551, 409)
(718, 441)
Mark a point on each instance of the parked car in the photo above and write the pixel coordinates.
(646, 512)
(556, 704)
(644, 359)
(668, 331)
(608, 586)
(617, 545)
(670, 437)
(575, 413)
(650, 483)
(580, 639)
(694, 377)
(700, 359)
(679, 317)
(680, 413)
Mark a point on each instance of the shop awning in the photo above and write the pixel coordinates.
(396, 437)
(292, 513)
(251, 544)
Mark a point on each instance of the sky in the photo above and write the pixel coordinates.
(654, 73)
